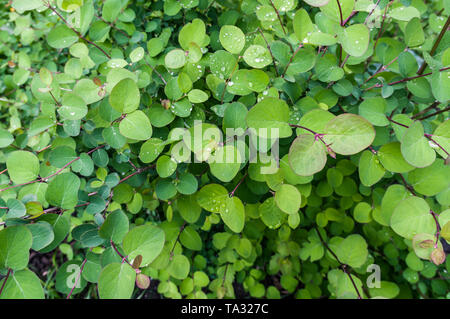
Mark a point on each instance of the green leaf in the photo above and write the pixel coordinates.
(61, 37)
(270, 113)
(15, 244)
(22, 166)
(136, 126)
(225, 163)
(145, 240)
(353, 251)
(190, 239)
(137, 54)
(194, 31)
(125, 96)
(150, 150)
(411, 217)
(234, 214)
(232, 39)
(72, 107)
(415, 147)
(414, 35)
(116, 281)
(6, 138)
(62, 190)
(430, 180)
(373, 109)
(115, 226)
(355, 39)
(257, 56)
(22, 284)
(175, 59)
(42, 233)
(288, 199)
(61, 227)
(370, 170)
(307, 155)
(179, 267)
(392, 159)
(197, 96)
(349, 134)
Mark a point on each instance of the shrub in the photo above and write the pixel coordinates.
(222, 149)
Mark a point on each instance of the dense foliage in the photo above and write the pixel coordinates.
(119, 175)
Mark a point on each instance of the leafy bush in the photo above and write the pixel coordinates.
(221, 149)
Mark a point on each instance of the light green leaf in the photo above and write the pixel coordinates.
(22, 166)
(349, 134)
(62, 190)
(136, 126)
(232, 39)
(22, 284)
(125, 96)
(307, 155)
(288, 199)
(257, 56)
(61, 37)
(411, 217)
(415, 147)
(370, 170)
(270, 113)
(145, 240)
(15, 244)
(116, 281)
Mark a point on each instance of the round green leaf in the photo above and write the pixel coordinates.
(349, 134)
(22, 166)
(232, 39)
(288, 199)
(411, 217)
(145, 240)
(136, 126)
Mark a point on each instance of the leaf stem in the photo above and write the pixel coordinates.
(270, 51)
(435, 46)
(48, 5)
(340, 13)
(291, 59)
(237, 186)
(176, 241)
(6, 278)
(343, 266)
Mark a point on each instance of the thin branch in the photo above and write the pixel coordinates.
(176, 241)
(384, 67)
(428, 136)
(436, 44)
(78, 276)
(6, 278)
(124, 258)
(157, 73)
(270, 51)
(343, 266)
(435, 113)
(291, 59)
(279, 17)
(228, 80)
(370, 13)
(340, 13)
(431, 107)
(378, 85)
(380, 32)
(237, 186)
(44, 179)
